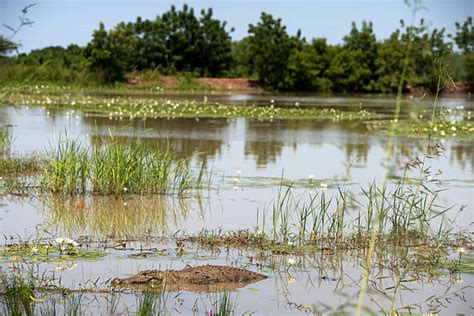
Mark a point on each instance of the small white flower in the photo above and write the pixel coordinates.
(60, 241)
(125, 189)
(291, 261)
(34, 250)
(323, 185)
(461, 250)
(311, 176)
(236, 180)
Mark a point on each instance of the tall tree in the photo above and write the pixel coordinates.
(111, 53)
(269, 48)
(354, 68)
(215, 46)
(464, 39)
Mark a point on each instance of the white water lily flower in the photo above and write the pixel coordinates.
(291, 261)
(69, 241)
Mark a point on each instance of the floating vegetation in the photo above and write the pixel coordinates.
(130, 107)
(116, 169)
(47, 250)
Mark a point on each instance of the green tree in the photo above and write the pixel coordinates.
(241, 63)
(214, 45)
(111, 53)
(307, 67)
(354, 66)
(269, 48)
(464, 39)
(151, 51)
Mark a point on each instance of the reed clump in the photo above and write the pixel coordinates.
(116, 169)
(405, 216)
(17, 294)
(6, 140)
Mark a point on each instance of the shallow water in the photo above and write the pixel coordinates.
(248, 159)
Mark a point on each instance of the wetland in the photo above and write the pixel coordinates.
(101, 187)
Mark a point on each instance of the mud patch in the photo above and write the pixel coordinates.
(207, 278)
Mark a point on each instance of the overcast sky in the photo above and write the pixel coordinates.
(62, 22)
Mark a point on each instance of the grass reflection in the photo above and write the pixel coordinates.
(131, 216)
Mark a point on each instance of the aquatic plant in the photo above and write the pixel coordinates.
(6, 140)
(152, 303)
(116, 169)
(223, 305)
(17, 294)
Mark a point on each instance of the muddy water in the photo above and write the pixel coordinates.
(248, 158)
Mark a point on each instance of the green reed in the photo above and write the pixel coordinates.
(152, 303)
(116, 169)
(6, 140)
(403, 213)
(223, 304)
(17, 293)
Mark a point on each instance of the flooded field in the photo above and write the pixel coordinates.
(250, 163)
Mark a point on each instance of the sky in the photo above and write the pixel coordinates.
(62, 22)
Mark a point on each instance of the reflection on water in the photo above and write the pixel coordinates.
(319, 284)
(260, 150)
(113, 217)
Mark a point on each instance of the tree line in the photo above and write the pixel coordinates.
(181, 41)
